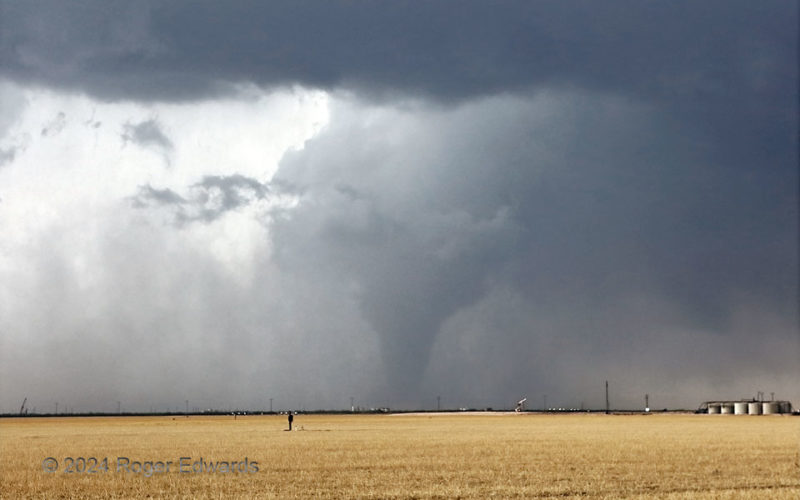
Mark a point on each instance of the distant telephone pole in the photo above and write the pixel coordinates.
(607, 405)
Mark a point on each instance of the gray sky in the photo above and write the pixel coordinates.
(390, 201)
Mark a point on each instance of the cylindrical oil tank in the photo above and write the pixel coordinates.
(714, 408)
(754, 408)
(786, 407)
(770, 407)
(726, 408)
(740, 408)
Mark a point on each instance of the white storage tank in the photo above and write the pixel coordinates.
(714, 408)
(740, 408)
(726, 408)
(770, 407)
(754, 408)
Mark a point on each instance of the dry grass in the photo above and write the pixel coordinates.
(414, 456)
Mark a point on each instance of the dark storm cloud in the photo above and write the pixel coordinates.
(677, 50)
(576, 203)
(727, 68)
(607, 190)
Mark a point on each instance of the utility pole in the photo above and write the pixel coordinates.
(607, 405)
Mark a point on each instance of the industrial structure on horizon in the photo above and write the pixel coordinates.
(746, 407)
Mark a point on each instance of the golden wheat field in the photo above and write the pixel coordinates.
(404, 456)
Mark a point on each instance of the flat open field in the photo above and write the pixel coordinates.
(406, 456)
